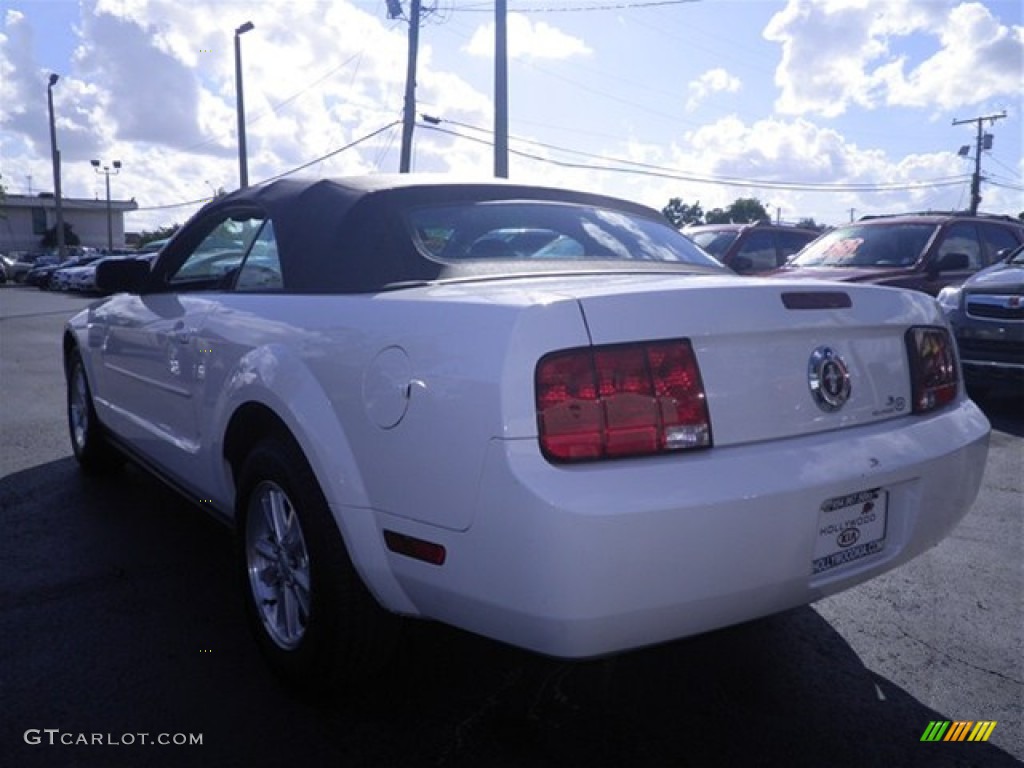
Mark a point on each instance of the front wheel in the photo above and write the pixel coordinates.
(313, 618)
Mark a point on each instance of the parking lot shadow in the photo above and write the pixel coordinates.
(120, 615)
(1004, 408)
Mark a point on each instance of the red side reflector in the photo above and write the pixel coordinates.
(934, 379)
(418, 549)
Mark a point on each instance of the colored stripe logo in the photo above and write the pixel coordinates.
(958, 730)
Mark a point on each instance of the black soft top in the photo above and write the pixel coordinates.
(350, 236)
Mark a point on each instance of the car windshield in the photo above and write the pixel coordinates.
(545, 231)
(715, 243)
(1017, 257)
(888, 245)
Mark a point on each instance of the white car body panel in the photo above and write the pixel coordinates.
(554, 563)
(416, 411)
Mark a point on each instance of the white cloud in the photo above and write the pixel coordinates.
(151, 83)
(527, 40)
(837, 54)
(979, 59)
(796, 150)
(713, 81)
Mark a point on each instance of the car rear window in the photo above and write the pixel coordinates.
(545, 231)
(715, 243)
(888, 245)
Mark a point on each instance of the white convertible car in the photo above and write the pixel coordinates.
(542, 416)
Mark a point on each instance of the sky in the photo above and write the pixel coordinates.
(823, 109)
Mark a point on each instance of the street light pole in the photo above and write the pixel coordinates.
(243, 168)
(55, 159)
(110, 218)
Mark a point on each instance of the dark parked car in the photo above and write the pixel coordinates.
(42, 268)
(153, 246)
(751, 248)
(925, 251)
(987, 315)
(42, 275)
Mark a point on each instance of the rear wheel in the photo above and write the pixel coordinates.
(90, 445)
(313, 618)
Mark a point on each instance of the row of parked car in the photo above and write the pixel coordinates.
(973, 264)
(76, 273)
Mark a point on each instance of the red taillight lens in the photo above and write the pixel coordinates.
(933, 369)
(622, 400)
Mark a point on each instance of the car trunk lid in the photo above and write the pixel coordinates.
(763, 347)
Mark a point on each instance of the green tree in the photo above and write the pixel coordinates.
(161, 233)
(747, 211)
(680, 214)
(49, 240)
(810, 223)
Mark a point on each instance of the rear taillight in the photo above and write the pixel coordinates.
(621, 400)
(934, 379)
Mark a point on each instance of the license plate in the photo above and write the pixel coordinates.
(850, 528)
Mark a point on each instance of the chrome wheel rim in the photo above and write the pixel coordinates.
(278, 565)
(78, 408)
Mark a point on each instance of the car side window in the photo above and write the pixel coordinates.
(759, 248)
(962, 238)
(790, 243)
(261, 270)
(217, 256)
(996, 239)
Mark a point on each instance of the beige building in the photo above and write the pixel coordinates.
(24, 220)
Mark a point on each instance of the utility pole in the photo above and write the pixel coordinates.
(409, 111)
(979, 145)
(501, 89)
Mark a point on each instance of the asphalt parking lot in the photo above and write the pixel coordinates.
(121, 626)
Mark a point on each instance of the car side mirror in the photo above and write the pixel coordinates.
(950, 262)
(122, 275)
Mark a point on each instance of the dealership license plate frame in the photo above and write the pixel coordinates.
(850, 528)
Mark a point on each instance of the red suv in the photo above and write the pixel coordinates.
(750, 248)
(925, 251)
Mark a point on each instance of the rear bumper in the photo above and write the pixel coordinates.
(589, 560)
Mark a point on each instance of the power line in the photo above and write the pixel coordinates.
(647, 169)
(999, 162)
(489, 7)
(1005, 185)
(320, 159)
(281, 104)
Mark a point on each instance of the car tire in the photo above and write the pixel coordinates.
(313, 618)
(88, 441)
